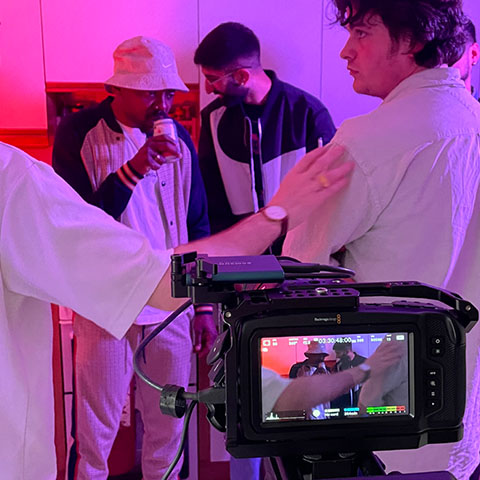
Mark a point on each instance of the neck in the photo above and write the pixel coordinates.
(468, 84)
(259, 88)
(415, 69)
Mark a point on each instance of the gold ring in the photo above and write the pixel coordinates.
(323, 180)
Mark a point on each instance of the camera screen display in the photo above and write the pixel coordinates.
(383, 390)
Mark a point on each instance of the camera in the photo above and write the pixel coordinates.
(283, 307)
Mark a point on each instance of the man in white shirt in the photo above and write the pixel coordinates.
(54, 248)
(412, 209)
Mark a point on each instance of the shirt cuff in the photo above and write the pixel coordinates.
(204, 309)
(128, 176)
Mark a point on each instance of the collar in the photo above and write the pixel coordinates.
(106, 111)
(431, 77)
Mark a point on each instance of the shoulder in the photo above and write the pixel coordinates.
(80, 123)
(211, 107)
(14, 163)
(299, 99)
(17, 167)
(184, 136)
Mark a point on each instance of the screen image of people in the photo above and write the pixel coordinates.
(370, 393)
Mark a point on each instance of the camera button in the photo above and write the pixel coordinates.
(433, 403)
(437, 351)
(433, 383)
(433, 373)
(433, 394)
(437, 341)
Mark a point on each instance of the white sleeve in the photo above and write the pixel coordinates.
(391, 388)
(57, 248)
(273, 386)
(341, 220)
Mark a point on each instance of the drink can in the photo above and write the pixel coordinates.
(166, 126)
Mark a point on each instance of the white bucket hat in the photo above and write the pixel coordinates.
(143, 63)
(316, 348)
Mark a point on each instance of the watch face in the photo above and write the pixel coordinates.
(275, 212)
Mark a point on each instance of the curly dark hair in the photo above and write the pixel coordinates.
(438, 25)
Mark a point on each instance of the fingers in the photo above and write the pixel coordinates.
(162, 149)
(204, 343)
(336, 174)
(333, 180)
(321, 159)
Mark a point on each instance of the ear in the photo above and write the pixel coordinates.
(474, 54)
(111, 90)
(241, 76)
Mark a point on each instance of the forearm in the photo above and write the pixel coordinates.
(251, 236)
(306, 392)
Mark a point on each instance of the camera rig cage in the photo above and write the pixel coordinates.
(293, 304)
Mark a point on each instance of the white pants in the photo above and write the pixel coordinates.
(103, 372)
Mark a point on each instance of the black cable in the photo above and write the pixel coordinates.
(149, 338)
(291, 259)
(290, 276)
(306, 268)
(188, 414)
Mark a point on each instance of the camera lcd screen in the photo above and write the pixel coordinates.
(288, 357)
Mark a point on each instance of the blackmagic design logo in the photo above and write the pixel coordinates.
(235, 263)
(336, 319)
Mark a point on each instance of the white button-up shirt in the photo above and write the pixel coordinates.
(55, 248)
(411, 212)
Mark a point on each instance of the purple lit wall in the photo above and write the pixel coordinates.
(70, 41)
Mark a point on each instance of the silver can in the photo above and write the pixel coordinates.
(166, 126)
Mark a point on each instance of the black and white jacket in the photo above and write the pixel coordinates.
(292, 123)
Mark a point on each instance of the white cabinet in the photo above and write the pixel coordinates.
(80, 36)
(22, 81)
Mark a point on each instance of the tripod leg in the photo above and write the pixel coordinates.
(283, 468)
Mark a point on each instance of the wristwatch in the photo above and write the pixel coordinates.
(275, 213)
(366, 369)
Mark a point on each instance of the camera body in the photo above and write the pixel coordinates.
(420, 401)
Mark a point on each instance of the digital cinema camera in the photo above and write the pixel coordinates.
(269, 327)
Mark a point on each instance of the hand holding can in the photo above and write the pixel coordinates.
(166, 126)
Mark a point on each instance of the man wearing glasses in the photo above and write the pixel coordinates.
(255, 131)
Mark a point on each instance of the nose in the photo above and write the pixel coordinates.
(347, 52)
(161, 102)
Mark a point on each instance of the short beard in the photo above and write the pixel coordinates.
(234, 95)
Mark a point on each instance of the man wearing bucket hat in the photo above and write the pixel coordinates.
(108, 155)
(316, 354)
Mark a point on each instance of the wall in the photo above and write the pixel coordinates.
(290, 37)
(22, 79)
(80, 36)
(71, 41)
(472, 9)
